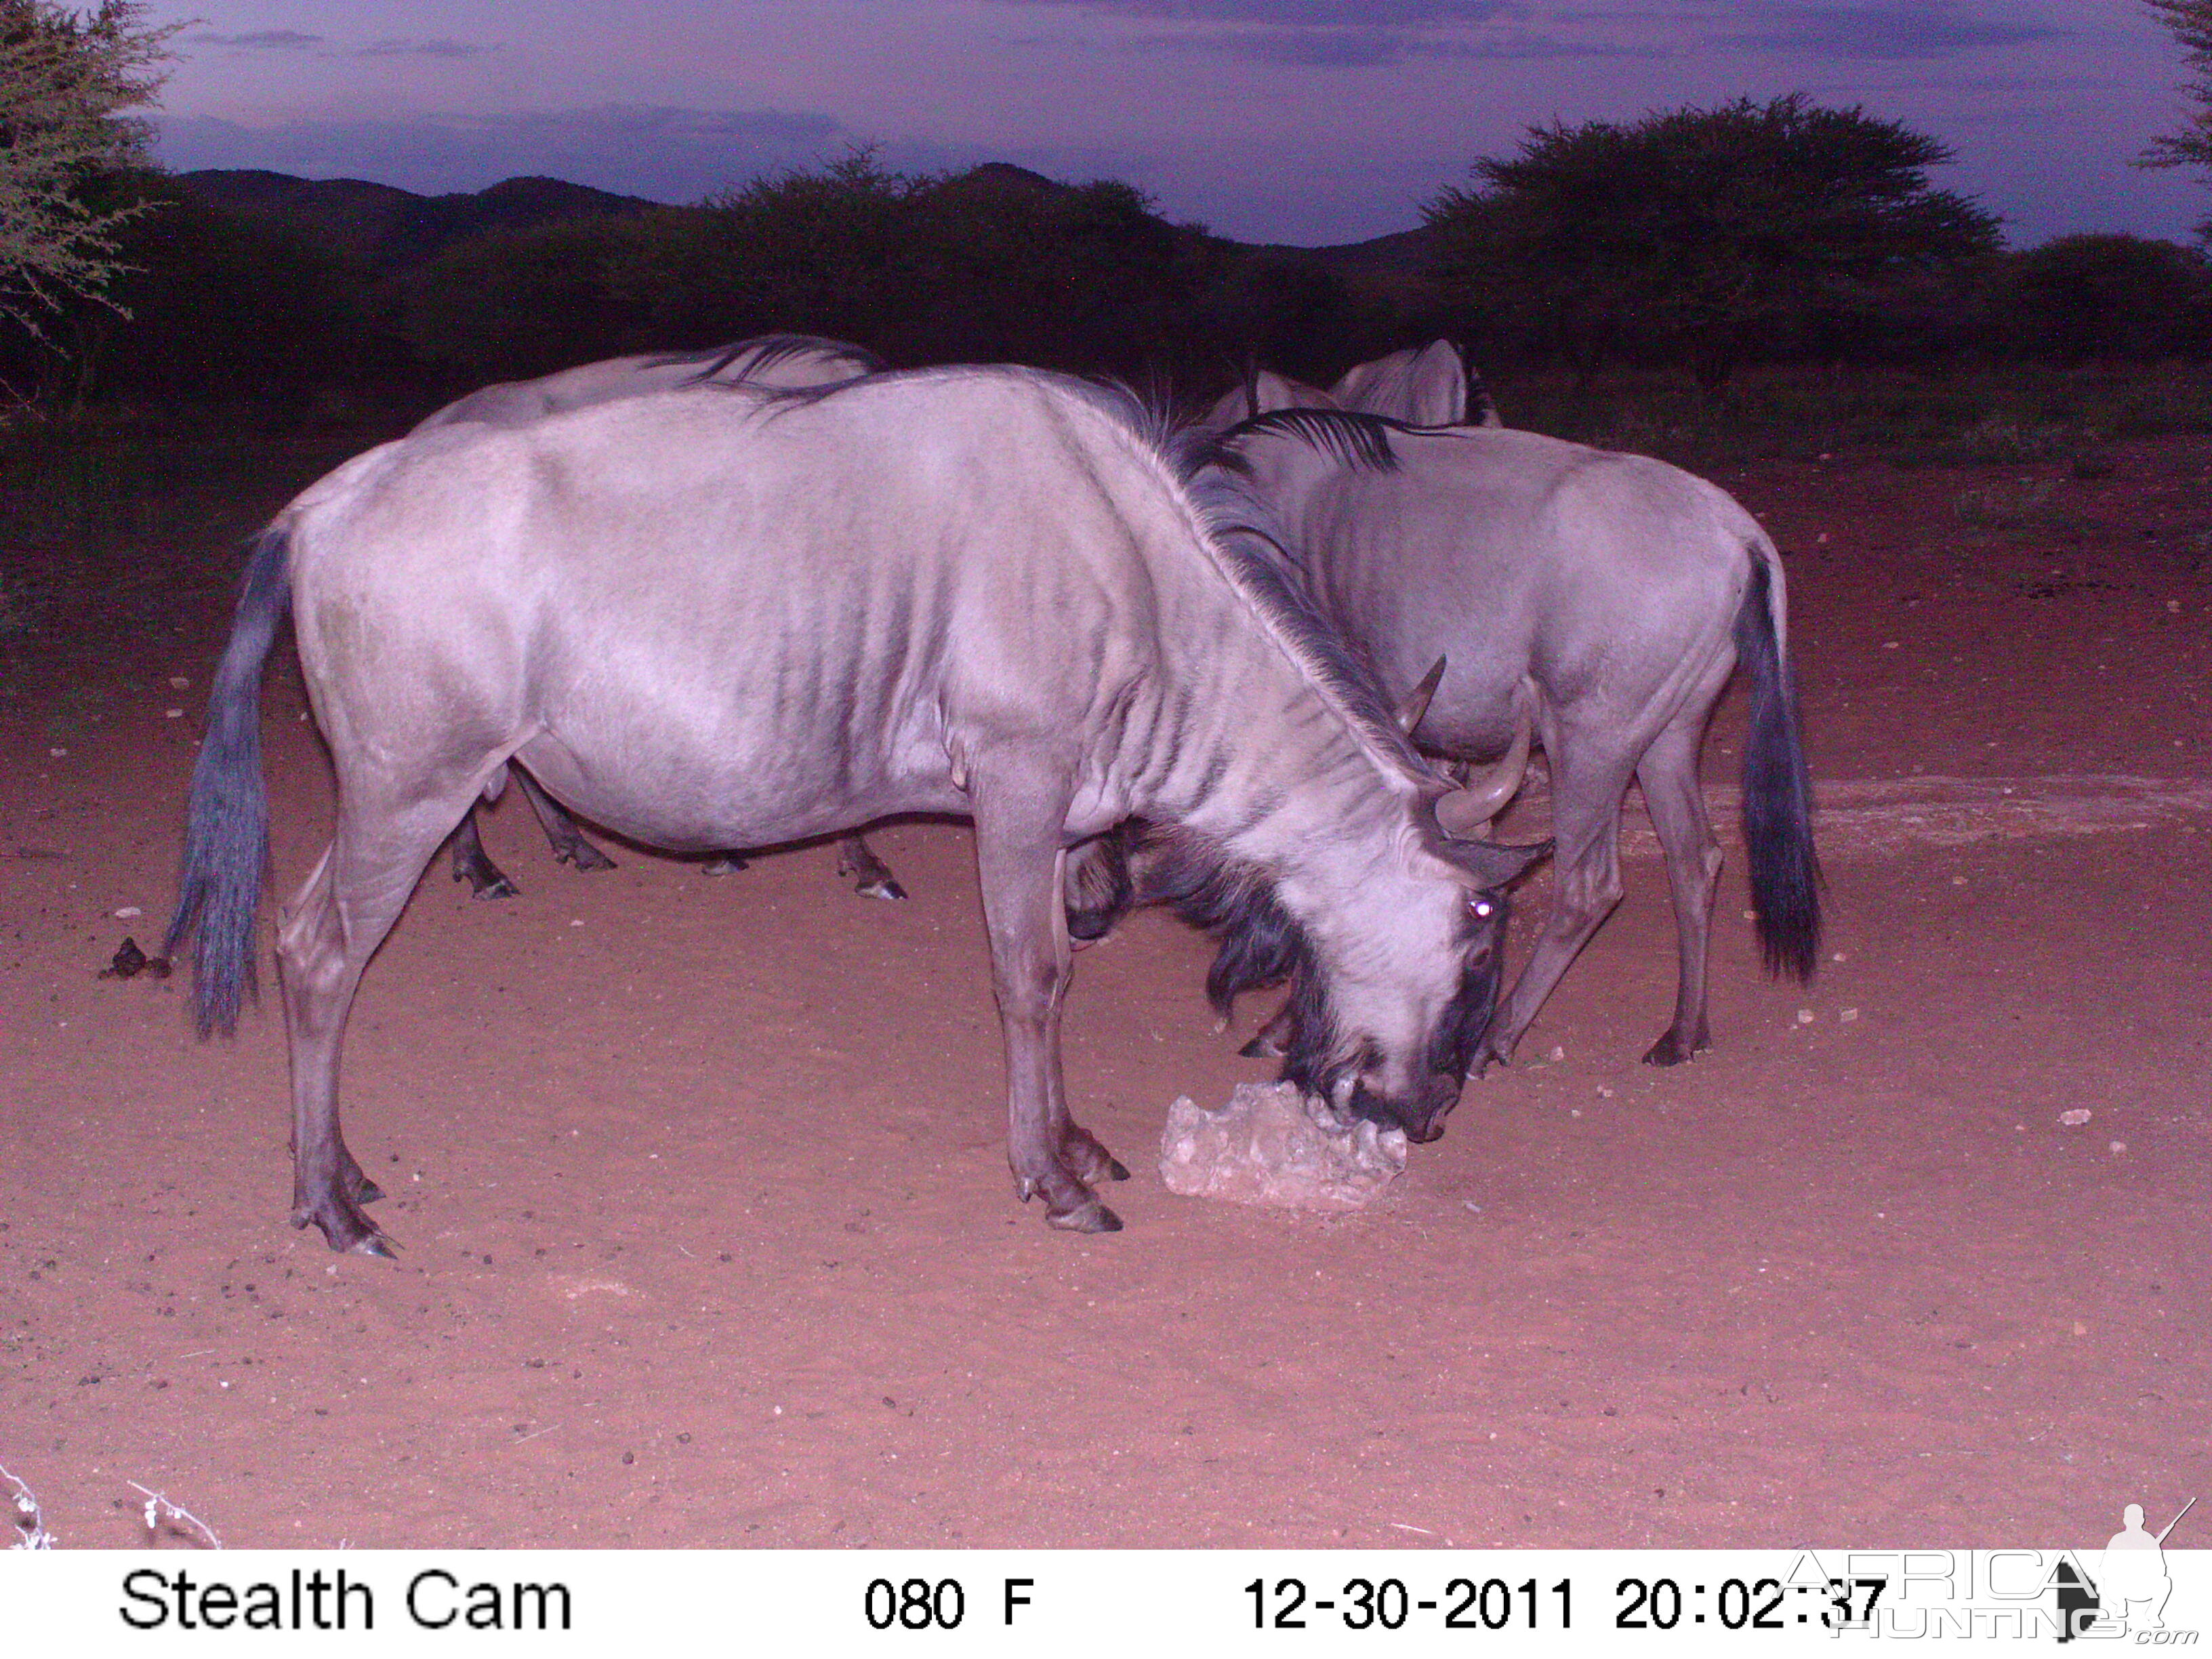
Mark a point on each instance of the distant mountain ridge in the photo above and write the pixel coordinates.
(396, 228)
(391, 227)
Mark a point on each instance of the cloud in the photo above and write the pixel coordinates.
(319, 45)
(1364, 48)
(420, 49)
(1303, 14)
(1892, 30)
(666, 154)
(261, 40)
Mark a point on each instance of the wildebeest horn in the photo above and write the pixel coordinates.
(1415, 702)
(1468, 811)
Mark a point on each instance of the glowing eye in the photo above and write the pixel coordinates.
(1481, 906)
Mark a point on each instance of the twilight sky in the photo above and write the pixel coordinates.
(1307, 121)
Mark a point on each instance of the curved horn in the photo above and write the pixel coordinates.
(1415, 702)
(1467, 810)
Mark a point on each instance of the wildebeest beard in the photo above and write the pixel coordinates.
(1262, 945)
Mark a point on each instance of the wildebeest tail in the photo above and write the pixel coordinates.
(226, 832)
(1778, 793)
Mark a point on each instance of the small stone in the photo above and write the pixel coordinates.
(2117, 1148)
(2079, 1329)
(1958, 881)
(1839, 957)
(1889, 645)
(1806, 1016)
(126, 913)
(2076, 1118)
(177, 682)
(1848, 1015)
(58, 754)
(1557, 1055)
(173, 714)
(1604, 1093)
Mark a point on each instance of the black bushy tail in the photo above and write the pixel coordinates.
(227, 834)
(1777, 794)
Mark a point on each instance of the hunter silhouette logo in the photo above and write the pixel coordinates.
(2130, 1590)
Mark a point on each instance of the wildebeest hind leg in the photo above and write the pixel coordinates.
(869, 873)
(1019, 808)
(472, 864)
(1586, 885)
(562, 834)
(1668, 772)
(329, 932)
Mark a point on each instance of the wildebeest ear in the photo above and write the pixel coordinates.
(1436, 389)
(1415, 702)
(1493, 864)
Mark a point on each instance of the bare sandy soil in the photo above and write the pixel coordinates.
(709, 1237)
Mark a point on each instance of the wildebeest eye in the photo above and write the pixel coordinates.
(1481, 907)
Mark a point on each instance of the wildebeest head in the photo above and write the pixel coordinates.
(1389, 992)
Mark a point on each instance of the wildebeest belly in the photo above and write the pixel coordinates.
(696, 780)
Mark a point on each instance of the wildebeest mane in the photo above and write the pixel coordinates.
(1353, 436)
(1258, 560)
(1482, 407)
(769, 350)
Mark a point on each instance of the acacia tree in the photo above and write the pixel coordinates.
(1716, 234)
(2190, 23)
(66, 79)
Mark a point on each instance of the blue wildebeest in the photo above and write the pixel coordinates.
(1622, 590)
(1427, 386)
(726, 617)
(783, 360)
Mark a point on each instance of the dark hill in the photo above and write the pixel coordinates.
(396, 228)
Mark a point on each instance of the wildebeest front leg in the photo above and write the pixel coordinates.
(567, 841)
(472, 864)
(1019, 811)
(1668, 772)
(1586, 865)
(869, 874)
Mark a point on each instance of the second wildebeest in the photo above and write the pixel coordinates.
(724, 616)
(1620, 591)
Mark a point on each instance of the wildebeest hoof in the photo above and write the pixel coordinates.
(587, 859)
(1670, 1051)
(499, 887)
(728, 865)
(346, 1231)
(1087, 1218)
(887, 888)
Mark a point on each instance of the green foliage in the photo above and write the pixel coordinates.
(2189, 21)
(66, 79)
(210, 306)
(1714, 236)
(995, 264)
(2110, 296)
(1959, 417)
(514, 304)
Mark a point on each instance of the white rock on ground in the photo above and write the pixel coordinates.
(1271, 1145)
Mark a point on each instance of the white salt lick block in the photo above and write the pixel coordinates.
(1272, 1146)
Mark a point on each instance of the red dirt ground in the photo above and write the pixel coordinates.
(709, 1237)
